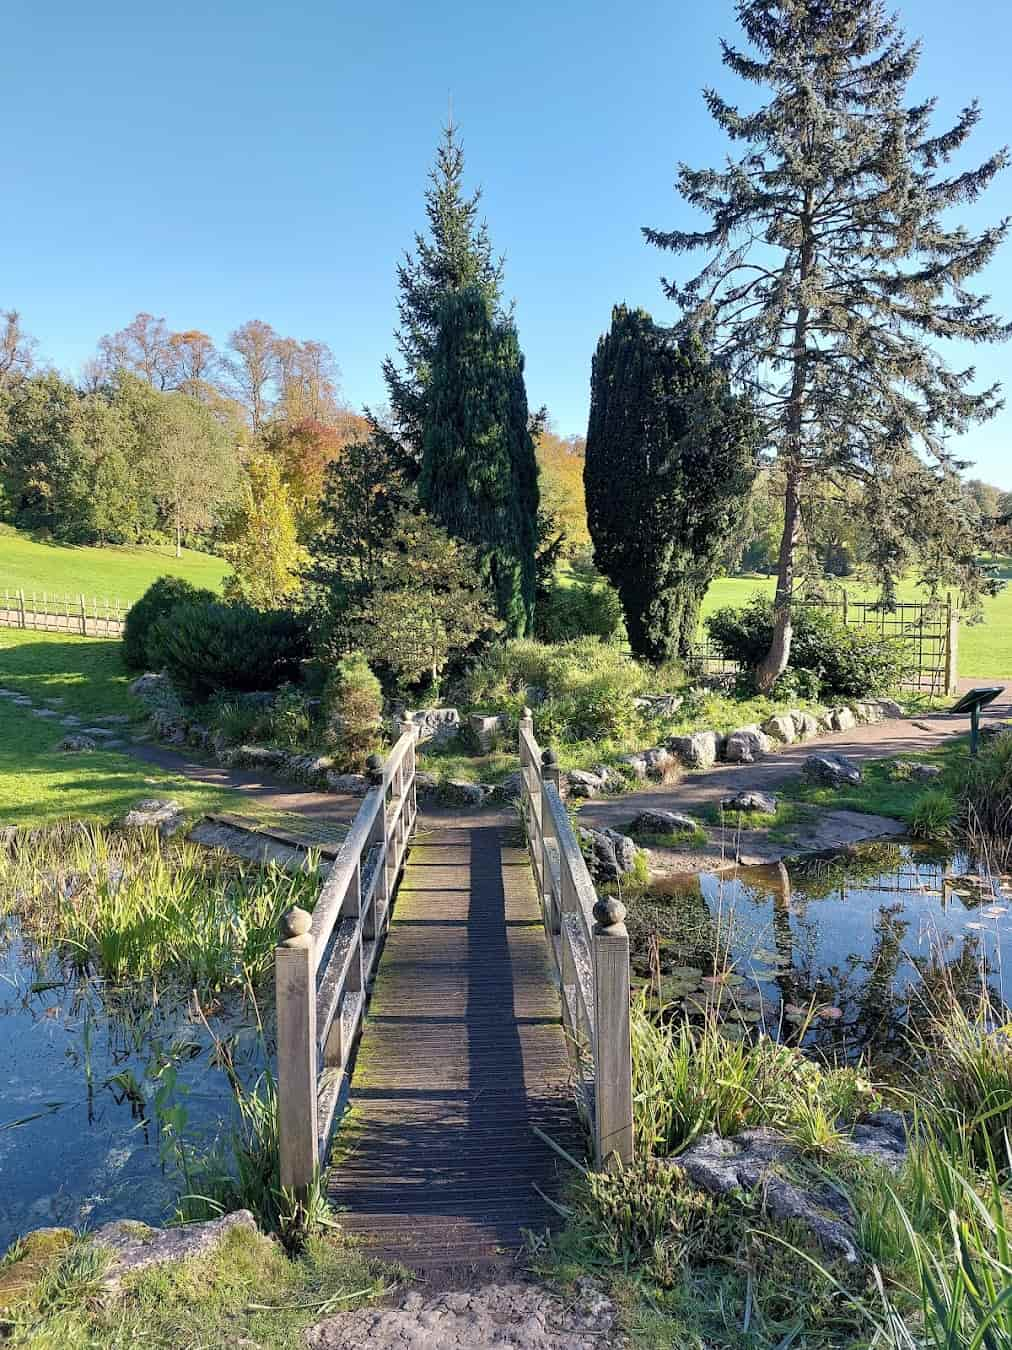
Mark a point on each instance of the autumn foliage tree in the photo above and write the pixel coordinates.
(261, 541)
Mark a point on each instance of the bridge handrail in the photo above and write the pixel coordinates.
(324, 961)
(589, 946)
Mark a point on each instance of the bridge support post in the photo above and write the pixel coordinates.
(295, 982)
(613, 1109)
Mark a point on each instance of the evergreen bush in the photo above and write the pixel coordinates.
(848, 661)
(159, 598)
(209, 647)
(351, 711)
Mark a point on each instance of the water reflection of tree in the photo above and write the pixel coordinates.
(677, 913)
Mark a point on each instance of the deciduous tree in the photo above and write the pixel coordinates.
(261, 541)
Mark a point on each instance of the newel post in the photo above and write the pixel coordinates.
(951, 645)
(613, 1110)
(295, 984)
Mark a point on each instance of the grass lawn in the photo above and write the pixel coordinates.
(984, 648)
(38, 783)
(108, 573)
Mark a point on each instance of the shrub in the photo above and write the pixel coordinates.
(986, 802)
(848, 661)
(590, 607)
(933, 815)
(211, 647)
(352, 709)
(160, 597)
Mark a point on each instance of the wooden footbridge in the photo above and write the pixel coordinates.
(497, 1019)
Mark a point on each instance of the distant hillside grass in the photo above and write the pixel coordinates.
(108, 573)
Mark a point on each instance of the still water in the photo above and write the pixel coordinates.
(844, 950)
(96, 1087)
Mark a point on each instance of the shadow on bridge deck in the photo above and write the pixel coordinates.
(463, 1053)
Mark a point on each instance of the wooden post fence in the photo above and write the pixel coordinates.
(324, 961)
(589, 946)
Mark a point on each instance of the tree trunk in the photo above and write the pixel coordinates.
(179, 539)
(775, 661)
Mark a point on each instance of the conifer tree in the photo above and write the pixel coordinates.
(479, 475)
(457, 253)
(834, 267)
(671, 457)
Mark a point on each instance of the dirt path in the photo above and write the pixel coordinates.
(881, 740)
(269, 794)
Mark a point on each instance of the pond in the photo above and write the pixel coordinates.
(97, 1085)
(840, 951)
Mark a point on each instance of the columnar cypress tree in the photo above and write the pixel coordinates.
(457, 253)
(479, 476)
(833, 269)
(671, 457)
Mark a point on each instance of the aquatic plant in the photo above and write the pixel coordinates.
(134, 906)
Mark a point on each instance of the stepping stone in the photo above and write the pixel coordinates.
(114, 719)
(44, 712)
(70, 721)
(103, 733)
(54, 702)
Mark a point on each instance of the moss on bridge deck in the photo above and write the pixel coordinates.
(463, 1054)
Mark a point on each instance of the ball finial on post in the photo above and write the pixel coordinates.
(294, 926)
(374, 769)
(609, 911)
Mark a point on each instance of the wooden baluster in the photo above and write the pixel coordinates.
(295, 989)
(613, 1115)
(550, 774)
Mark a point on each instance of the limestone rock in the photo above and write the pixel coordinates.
(44, 712)
(888, 707)
(511, 788)
(113, 719)
(746, 745)
(162, 814)
(610, 855)
(637, 763)
(457, 792)
(750, 799)
(842, 719)
(699, 750)
(434, 724)
(135, 1246)
(751, 1162)
(806, 724)
(831, 770)
(660, 763)
(868, 711)
(662, 822)
(659, 705)
(426, 784)
(349, 784)
(923, 772)
(580, 783)
(781, 727)
(486, 728)
(77, 744)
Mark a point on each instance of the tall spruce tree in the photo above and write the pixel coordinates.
(457, 253)
(671, 457)
(834, 267)
(479, 475)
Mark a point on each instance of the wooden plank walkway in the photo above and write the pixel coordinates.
(463, 1053)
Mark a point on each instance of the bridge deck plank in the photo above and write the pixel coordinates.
(463, 1055)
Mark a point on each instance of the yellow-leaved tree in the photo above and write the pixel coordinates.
(261, 539)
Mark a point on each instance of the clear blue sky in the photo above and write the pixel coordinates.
(218, 162)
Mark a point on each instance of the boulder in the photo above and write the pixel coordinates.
(806, 725)
(511, 789)
(746, 745)
(24, 1268)
(348, 784)
(780, 727)
(825, 721)
(867, 711)
(658, 705)
(888, 707)
(135, 1246)
(426, 784)
(434, 724)
(699, 750)
(146, 685)
(637, 763)
(662, 822)
(580, 783)
(112, 719)
(77, 745)
(158, 813)
(908, 769)
(457, 792)
(831, 770)
(842, 719)
(760, 1162)
(610, 855)
(486, 729)
(750, 799)
(44, 712)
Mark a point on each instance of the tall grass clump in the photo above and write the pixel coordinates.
(691, 1079)
(133, 906)
(986, 802)
(934, 815)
